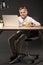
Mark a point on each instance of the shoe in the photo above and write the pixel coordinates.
(35, 57)
(12, 58)
(16, 59)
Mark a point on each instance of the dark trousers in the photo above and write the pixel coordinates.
(15, 39)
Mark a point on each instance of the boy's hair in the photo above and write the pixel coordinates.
(22, 8)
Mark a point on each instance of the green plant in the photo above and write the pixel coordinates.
(1, 21)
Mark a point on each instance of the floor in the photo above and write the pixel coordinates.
(5, 51)
(4, 57)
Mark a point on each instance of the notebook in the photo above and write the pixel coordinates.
(10, 20)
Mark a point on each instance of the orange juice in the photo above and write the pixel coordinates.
(27, 24)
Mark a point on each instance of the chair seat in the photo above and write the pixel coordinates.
(32, 38)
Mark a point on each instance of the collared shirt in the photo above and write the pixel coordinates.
(28, 19)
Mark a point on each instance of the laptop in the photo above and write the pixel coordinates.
(10, 20)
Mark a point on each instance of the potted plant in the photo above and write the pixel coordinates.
(1, 23)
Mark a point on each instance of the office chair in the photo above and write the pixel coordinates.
(22, 56)
(35, 34)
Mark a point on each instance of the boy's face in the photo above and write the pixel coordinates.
(23, 13)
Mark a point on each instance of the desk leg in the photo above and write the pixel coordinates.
(1, 31)
(42, 37)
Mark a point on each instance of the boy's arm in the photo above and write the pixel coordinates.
(34, 22)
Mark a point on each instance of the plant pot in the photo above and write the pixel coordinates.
(1, 25)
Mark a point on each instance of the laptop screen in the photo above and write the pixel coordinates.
(10, 20)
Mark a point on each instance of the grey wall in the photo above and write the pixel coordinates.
(34, 7)
(35, 10)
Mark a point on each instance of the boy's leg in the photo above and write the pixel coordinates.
(15, 38)
(11, 41)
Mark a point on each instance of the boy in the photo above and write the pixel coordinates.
(24, 20)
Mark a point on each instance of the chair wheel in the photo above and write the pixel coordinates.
(37, 56)
(32, 61)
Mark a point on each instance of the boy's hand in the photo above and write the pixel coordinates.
(20, 24)
(28, 24)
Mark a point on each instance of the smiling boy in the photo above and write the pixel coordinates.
(24, 20)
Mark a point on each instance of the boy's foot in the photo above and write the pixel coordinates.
(12, 58)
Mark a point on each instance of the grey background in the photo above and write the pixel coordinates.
(35, 9)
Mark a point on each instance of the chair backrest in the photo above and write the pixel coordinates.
(34, 34)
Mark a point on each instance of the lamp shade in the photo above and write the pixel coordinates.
(4, 4)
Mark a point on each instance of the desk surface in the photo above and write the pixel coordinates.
(21, 28)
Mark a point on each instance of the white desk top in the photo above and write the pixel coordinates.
(21, 28)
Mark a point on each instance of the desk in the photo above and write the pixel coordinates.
(22, 28)
(25, 28)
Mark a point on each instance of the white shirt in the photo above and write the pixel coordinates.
(28, 19)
